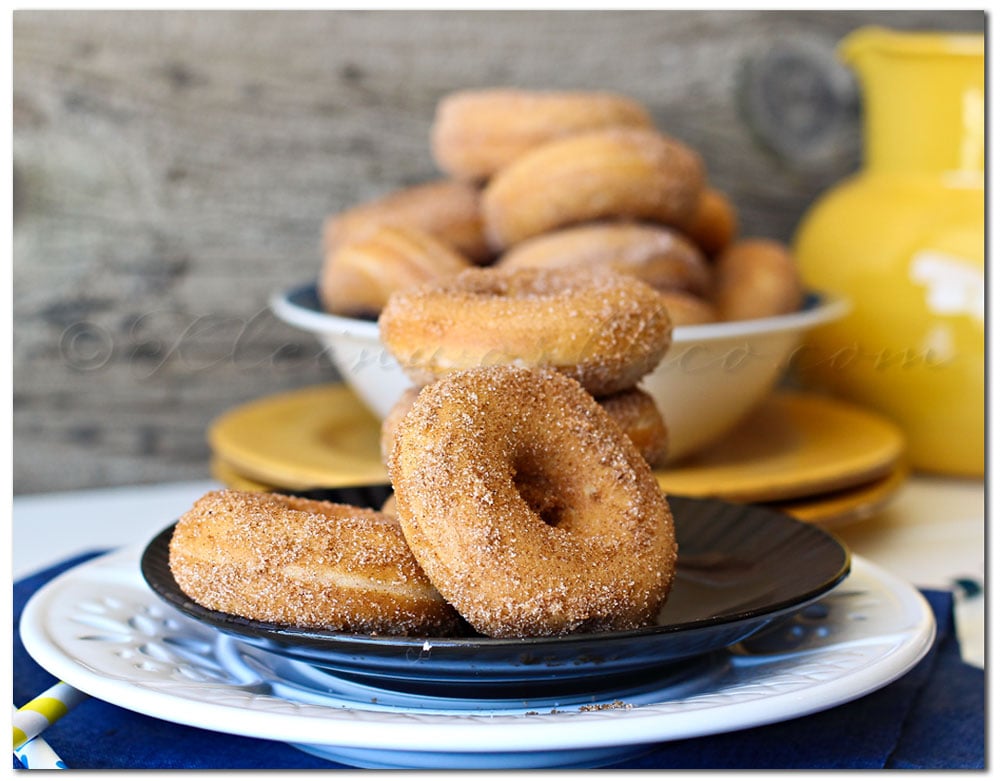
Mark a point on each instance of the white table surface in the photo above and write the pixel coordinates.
(931, 533)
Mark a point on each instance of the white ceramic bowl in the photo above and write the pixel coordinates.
(710, 379)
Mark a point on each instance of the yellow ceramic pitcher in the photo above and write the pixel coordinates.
(904, 240)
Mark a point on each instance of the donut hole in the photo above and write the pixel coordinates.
(559, 497)
(535, 488)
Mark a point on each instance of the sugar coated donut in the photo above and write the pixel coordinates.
(390, 423)
(446, 209)
(627, 173)
(635, 412)
(478, 132)
(528, 508)
(603, 329)
(659, 256)
(304, 563)
(358, 277)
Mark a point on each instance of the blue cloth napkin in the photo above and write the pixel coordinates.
(933, 717)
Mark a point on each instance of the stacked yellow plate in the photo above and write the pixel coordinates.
(818, 459)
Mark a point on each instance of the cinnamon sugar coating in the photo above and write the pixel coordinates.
(529, 508)
(635, 412)
(304, 563)
(390, 423)
(603, 329)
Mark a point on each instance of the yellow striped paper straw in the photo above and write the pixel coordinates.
(46, 709)
(36, 754)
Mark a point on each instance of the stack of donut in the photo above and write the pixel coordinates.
(553, 179)
(604, 329)
(522, 509)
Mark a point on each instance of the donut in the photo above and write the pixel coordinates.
(633, 410)
(390, 423)
(624, 173)
(756, 278)
(477, 132)
(358, 277)
(446, 209)
(604, 329)
(659, 256)
(304, 563)
(714, 224)
(686, 309)
(528, 508)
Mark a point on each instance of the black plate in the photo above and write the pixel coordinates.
(740, 568)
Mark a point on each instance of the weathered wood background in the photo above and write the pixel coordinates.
(172, 170)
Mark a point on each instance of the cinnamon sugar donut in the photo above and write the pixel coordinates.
(304, 563)
(635, 412)
(621, 173)
(390, 423)
(528, 508)
(358, 277)
(446, 209)
(603, 329)
(659, 256)
(478, 132)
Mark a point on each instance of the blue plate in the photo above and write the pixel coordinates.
(740, 568)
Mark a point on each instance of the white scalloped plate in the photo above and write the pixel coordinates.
(99, 628)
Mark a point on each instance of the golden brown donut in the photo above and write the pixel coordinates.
(635, 412)
(603, 329)
(528, 508)
(478, 132)
(304, 563)
(625, 173)
(659, 256)
(714, 224)
(358, 277)
(390, 423)
(756, 278)
(686, 309)
(446, 209)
